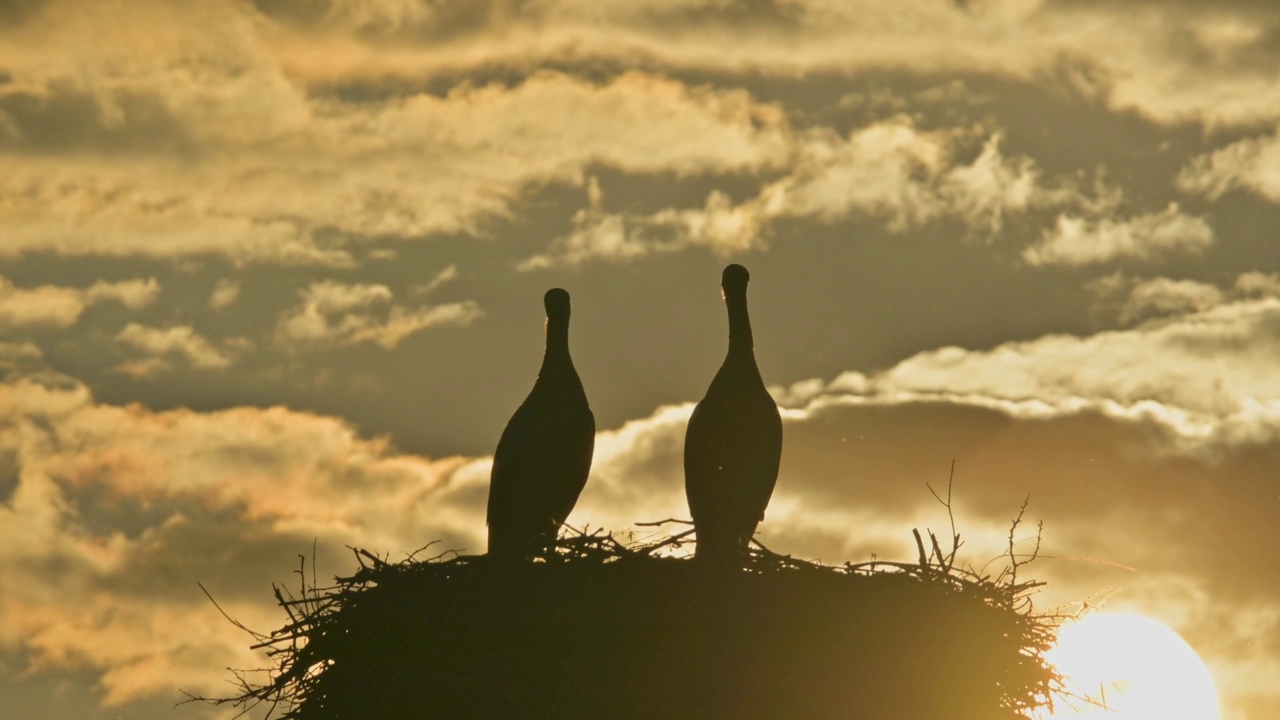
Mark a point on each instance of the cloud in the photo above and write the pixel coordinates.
(718, 225)
(1130, 301)
(225, 293)
(1204, 377)
(252, 134)
(337, 314)
(1258, 284)
(117, 512)
(1172, 63)
(908, 177)
(47, 305)
(1076, 241)
(247, 135)
(1162, 297)
(636, 472)
(133, 294)
(158, 344)
(890, 171)
(445, 276)
(60, 307)
(1252, 164)
(303, 187)
(18, 355)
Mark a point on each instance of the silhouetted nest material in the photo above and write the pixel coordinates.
(605, 630)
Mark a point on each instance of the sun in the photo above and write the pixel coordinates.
(1141, 668)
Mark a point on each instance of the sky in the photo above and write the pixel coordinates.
(271, 277)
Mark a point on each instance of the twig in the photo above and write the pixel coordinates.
(659, 523)
(924, 559)
(233, 621)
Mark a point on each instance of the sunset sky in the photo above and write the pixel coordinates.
(271, 276)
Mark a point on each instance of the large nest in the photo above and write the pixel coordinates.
(600, 628)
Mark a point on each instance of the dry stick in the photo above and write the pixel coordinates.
(955, 536)
(937, 551)
(1013, 572)
(413, 556)
(767, 550)
(924, 560)
(314, 576)
(673, 540)
(233, 621)
(658, 523)
(1082, 558)
(257, 696)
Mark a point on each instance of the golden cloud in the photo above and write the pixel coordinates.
(179, 340)
(60, 307)
(118, 511)
(1075, 241)
(335, 314)
(890, 170)
(1251, 164)
(1171, 64)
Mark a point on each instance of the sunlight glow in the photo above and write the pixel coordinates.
(1138, 666)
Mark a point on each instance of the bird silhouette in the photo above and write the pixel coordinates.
(733, 444)
(544, 454)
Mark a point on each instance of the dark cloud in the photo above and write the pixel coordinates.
(406, 21)
(16, 11)
(8, 475)
(1113, 488)
(65, 120)
(236, 559)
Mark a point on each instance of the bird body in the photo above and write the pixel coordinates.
(544, 455)
(733, 445)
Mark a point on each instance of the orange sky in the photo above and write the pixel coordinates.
(271, 275)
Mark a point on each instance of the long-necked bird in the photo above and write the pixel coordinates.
(733, 445)
(544, 455)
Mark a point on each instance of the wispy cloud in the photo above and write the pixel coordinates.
(119, 511)
(160, 344)
(259, 165)
(59, 307)
(1252, 164)
(1129, 300)
(1076, 240)
(891, 171)
(1203, 375)
(1170, 63)
(225, 293)
(249, 156)
(1162, 297)
(18, 355)
(336, 314)
(445, 276)
(297, 190)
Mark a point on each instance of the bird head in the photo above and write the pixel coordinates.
(556, 301)
(734, 279)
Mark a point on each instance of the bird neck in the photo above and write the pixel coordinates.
(741, 343)
(557, 353)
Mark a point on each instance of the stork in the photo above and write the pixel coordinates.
(544, 454)
(733, 444)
